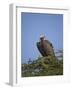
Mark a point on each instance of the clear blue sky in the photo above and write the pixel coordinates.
(35, 24)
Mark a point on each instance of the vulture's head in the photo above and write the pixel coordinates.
(42, 37)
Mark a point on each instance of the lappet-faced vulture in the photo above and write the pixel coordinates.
(45, 47)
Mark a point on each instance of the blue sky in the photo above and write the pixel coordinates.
(35, 24)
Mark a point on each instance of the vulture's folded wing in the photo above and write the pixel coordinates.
(40, 48)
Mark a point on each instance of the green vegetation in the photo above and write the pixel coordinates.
(43, 66)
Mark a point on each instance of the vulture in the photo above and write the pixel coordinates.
(45, 47)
